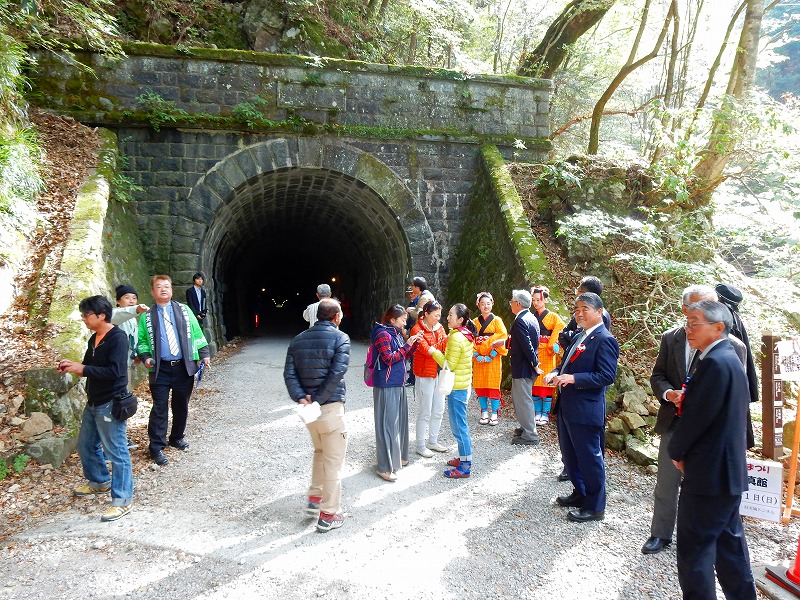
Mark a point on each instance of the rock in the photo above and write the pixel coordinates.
(611, 407)
(632, 420)
(617, 425)
(47, 378)
(640, 452)
(2, 446)
(13, 488)
(626, 383)
(652, 407)
(67, 410)
(36, 425)
(652, 469)
(16, 403)
(635, 400)
(52, 451)
(3, 409)
(650, 420)
(263, 25)
(17, 421)
(615, 441)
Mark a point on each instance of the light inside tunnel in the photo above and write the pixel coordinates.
(282, 233)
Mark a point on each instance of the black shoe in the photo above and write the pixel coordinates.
(655, 545)
(574, 499)
(518, 431)
(583, 515)
(519, 441)
(563, 476)
(160, 458)
(180, 444)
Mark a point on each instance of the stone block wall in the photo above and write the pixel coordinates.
(352, 95)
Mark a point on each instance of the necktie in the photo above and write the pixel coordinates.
(172, 340)
(693, 363)
(578, 341)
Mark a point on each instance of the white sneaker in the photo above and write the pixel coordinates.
(424, 452)
(437, 447)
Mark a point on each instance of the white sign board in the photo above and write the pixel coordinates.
(763, 499)
(788, 360)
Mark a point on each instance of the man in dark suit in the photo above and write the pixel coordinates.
(172, 346)
(588, 368)
(668, 376)
(524, 353)
(196, 298)
(708, 446)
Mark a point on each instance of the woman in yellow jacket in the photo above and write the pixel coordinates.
(458, 357)
(489, 350)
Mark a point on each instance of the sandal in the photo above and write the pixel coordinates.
(454, 462)
(484, 420)
(456, 473)
(493, 420)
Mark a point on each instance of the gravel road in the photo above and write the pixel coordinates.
(225, 519)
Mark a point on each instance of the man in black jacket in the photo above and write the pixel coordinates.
(316, 362)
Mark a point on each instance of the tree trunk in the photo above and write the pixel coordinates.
(630, 66)
(669, 84)
(577, 18)
(722, 142)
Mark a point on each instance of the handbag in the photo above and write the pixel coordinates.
(124, 406)
(447, 379)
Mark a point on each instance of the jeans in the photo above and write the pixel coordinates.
(457, 409)
(99, 430)
(429, 412)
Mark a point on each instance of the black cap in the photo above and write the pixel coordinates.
(728, 295)
(123, 289)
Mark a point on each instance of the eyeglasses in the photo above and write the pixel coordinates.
(688, 325)
(86, 315)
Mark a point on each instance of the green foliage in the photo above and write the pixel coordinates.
(17, 465)
(19, 166)
(159, 111)
(122, 187)
(254, 114)
(560, 174)
(54, 24)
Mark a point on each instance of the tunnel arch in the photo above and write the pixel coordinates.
(287, 214)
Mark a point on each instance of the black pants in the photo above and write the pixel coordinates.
(710, 536)
(175, 379)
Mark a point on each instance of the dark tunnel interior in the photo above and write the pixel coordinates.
(281, 234)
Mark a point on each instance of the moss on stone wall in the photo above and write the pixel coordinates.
(497, 252)
(103, 249)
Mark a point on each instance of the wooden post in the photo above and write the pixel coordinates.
(771, 399)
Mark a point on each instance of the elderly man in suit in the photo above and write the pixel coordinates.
(708, 446)
(588, 368)
(172, 346)
(668, 376)
(524, 354)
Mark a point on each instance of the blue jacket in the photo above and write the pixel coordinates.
(594, 369)
(316, 362)
(524, 348)
(391, 370)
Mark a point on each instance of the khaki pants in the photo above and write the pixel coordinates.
(329, 436)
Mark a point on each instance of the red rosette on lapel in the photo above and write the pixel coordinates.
(578, 351)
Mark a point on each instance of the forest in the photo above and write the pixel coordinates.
(702, 95)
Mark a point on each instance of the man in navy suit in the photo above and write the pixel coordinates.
(588, 368)
(196, 298)
(708, 446)
(524, 352)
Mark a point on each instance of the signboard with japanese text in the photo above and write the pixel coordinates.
(788, 360)
(763, 499)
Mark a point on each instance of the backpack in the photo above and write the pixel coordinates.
(370, 364)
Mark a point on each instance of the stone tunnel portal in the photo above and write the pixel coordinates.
(282, 233)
